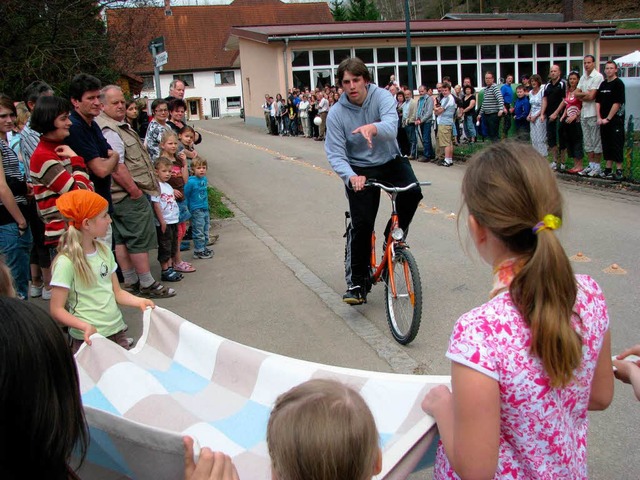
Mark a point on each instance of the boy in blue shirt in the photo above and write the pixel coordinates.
(521, 110)
(195, 194)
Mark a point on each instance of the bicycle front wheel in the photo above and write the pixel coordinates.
(404, 297)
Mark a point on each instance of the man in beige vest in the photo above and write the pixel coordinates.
(133, 220)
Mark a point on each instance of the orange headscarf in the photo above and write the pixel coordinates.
(78, 205)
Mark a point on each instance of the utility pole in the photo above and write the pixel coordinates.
(407, 21)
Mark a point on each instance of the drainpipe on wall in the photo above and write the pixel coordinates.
(286, 67)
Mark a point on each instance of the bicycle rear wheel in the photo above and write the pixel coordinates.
(404, 309)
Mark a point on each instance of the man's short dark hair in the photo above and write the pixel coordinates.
(593, 59)
(34, 90)
(82, 83)
(47, 109)
(176, 103)
(355, 67)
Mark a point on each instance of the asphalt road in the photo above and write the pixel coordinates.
(277, 277)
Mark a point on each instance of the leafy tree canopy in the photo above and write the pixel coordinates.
(363, 10)
(52, 40)
(339, 11)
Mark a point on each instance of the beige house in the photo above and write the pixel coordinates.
(276, 58)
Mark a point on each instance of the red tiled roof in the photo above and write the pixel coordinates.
(195, 36)
(418, 28)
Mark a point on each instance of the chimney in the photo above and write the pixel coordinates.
(573, 10)
(167, 8)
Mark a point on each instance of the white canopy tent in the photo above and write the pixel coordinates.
(629, 64)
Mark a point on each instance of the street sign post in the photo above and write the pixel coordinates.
(161, 59)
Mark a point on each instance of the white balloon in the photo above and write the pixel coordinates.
(317, 121)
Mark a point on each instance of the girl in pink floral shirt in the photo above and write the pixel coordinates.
(529, 363)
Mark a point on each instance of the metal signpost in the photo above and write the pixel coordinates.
(160, 57)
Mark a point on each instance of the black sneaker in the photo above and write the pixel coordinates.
(607, 174)
(353, 296)
(619, 176)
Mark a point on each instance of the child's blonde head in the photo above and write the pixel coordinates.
(78, 206)
(6, 280)
(509, 188)
(168, 135)
(199, 162)
(163, 162)
(322, 430)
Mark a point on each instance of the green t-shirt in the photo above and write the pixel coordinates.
(94, 304)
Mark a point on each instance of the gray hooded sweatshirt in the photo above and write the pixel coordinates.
(345, 149)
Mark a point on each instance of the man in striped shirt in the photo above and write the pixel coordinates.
(492, 107)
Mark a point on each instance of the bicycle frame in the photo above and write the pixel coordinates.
(385, 263)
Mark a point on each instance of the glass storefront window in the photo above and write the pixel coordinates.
(450, 71)
(470, 70)
(300, 58)
(428, 54)
(543, 50)
(402, 54)
(507, 51)
(449, 53)
(559, 49)
(322, 78)
(525, 50)
(468, 52)
(339, 55)
(577, 49)
(386, 55)
(365, 54)
(429, 75)
(321, 57)
(301, 79)
(384, 73)
(488, 51)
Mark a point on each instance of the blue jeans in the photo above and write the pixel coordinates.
(200, 229)
(469, 127)
(425, 129)
(16, 249)
(413, 141)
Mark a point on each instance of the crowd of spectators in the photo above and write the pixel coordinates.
(100, 141)
(564, 118)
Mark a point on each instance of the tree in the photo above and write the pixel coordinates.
(339, 11)
(52, 40)
(363, 10)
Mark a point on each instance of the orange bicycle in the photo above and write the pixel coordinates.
(398, 270)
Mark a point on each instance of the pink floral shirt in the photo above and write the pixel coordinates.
(543, 430)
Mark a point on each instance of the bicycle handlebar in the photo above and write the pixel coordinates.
(373, 183)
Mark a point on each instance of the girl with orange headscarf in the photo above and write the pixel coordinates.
(86, 293)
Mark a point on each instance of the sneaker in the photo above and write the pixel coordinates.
(595, 171)
(46, 294)
(563, 167)
(554, 166)
(619, 176)
(607, 175)
(212, 239)
(444, 163)
(35, 291)
(353, 296)
(585, 171)
(202, 255)
(209, 251)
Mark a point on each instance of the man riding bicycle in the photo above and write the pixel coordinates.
(361, 144)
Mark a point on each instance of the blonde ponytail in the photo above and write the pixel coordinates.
(70, 245)
(509, 188)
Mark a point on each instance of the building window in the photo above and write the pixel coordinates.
(321, 57)
(322, 78)
(507, 51)
(233, 102)
(448, 53)
(339, 55)
(187, 78)
(301, 79)
(402, 54)
(386, 55)
(300, 59)
(468, 52)
(224, 78)
(365, 54)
